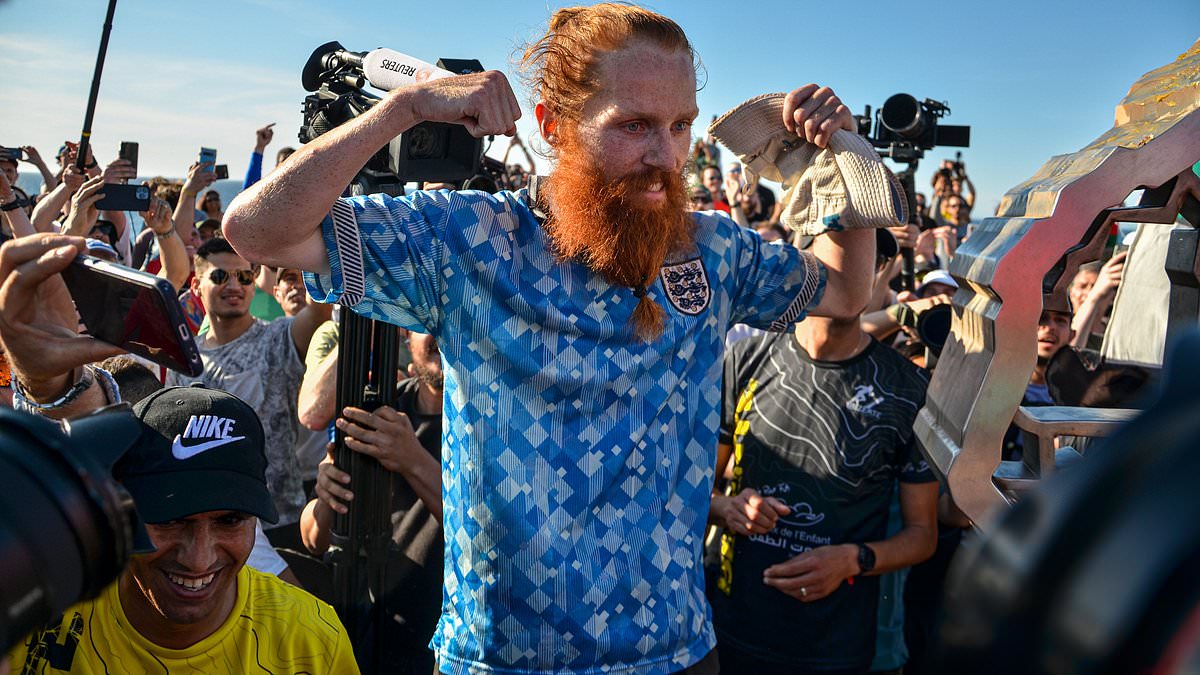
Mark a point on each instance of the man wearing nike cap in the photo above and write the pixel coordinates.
(189, 603)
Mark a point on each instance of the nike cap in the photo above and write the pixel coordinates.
(201, 450)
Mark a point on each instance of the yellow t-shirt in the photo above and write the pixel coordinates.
(274, 628)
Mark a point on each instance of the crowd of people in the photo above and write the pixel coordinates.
(613, 450)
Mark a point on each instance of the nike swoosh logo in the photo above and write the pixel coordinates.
(181, 451)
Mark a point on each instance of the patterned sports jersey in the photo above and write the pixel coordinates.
(830, 439)
(577, 460)
(274, 628)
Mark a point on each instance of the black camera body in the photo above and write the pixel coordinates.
(430, 151)
(67, 529)
(905, 128)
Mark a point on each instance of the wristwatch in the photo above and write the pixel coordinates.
(866, 559)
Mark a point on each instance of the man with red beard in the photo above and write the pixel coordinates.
(582, 326)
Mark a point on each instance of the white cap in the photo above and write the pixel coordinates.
(937, 277)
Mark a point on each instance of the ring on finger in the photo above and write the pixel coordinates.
(803, 592)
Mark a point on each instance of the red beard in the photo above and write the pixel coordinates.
(607, 226)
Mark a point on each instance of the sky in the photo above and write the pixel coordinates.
(1032, 79)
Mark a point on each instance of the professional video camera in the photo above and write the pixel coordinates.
(431, 151)
(67, 529)
(906, 128)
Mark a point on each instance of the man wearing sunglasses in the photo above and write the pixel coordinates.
(259, 362)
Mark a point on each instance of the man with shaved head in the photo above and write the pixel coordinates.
(582, 324)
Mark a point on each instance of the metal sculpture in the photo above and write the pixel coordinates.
(1016, 263)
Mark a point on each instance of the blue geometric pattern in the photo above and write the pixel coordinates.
(577, 460)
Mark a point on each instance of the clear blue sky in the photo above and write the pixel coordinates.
(1033, 79)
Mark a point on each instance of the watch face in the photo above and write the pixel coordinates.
(866, 558)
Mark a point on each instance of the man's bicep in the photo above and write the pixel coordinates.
(307, 251)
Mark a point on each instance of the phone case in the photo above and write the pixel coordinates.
(121, 197)
(107, 295)
(129, 151)
(208, 155)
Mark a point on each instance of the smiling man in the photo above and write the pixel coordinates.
(191, 605)
(582, 325)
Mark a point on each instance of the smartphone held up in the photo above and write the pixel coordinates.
(134, 310)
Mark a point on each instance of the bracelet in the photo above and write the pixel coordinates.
(162, 235)
(14, 204)
(86, 380)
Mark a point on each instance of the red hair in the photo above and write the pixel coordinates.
(560, 67)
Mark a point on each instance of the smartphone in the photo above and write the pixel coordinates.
(222, 171)
(14, 153)
(121, 197)
(129, 151)
(208, 155)
(136, 311)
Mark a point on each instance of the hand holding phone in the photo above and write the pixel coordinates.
(199, 177)
(84, 211)
(14, 153)
(136, 311)
(37, 318)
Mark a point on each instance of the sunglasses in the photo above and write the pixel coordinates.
(219, 276)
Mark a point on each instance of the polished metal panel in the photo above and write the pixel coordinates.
(1017, 262)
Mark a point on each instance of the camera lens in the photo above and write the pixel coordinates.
(933, 327)
(901, 114)
(425, 142)
(66, 528)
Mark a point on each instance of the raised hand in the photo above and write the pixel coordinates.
(158, 217)
(37, 318)
(814, 113)
(83, 207)
(482, 102)
(32, 155)
(119, 171)
(198, 178)
(262, 137)
(73, 178)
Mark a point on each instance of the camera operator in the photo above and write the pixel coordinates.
(407, 441)
(188, 601)
(949, 181)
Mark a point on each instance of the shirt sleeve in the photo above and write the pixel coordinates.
(254, 170)
(729, 396)
(386, 257)
(322, 344)
(263, 556)
(343, 655)
(284, 346)
(915, 469)
(776, 284)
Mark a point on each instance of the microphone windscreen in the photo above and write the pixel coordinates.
(387, 69)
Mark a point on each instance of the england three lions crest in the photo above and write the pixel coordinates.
(687, 286)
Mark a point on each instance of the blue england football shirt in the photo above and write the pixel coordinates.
(577, 460)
